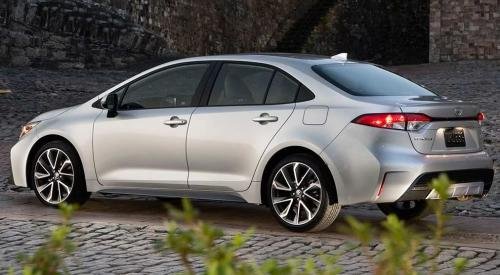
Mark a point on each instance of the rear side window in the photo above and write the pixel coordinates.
(240, 84)
(282, 90)
(174, 87)
(368, 80)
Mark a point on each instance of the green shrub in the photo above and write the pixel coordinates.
(49, 258)
(198, 238)
(402, 253)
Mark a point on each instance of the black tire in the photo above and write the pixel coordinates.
(326, 212)
(406, 210)
(78, 193)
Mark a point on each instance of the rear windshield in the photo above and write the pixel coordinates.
(369, 80)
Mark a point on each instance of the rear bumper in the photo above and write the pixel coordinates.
(471, 182)
(378, 165)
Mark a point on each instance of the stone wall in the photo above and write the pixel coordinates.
(380, 31)
(464, 29)
(72, 34)
(218, 26)
(114, 33)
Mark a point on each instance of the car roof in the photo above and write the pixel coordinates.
(290, 59)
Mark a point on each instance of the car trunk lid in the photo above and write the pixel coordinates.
(453, 129)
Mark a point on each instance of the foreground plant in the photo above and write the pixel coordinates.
(402, 254)
(197, 238)
(49, 258)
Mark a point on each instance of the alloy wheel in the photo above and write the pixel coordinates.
(296, 193)
(54, 176)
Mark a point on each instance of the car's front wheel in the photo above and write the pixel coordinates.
(406, 210)
(57, 176)
(297, 194)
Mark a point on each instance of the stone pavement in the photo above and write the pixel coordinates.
(116, 236)
(124, 249)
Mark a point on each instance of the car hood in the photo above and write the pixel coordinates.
(52, 114)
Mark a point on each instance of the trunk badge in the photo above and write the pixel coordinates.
(458, 112)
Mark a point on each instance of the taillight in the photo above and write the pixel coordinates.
(481, 117)
(397, 121)
(415, 122)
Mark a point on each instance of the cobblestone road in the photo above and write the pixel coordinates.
(119, 247)
(124, 249)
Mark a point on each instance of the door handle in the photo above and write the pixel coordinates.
(265, 118)
(175, 121)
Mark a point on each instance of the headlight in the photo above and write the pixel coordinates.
(27, 128)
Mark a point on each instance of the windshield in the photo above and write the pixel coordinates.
(369, 80)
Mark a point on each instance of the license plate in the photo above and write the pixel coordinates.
(454, 137)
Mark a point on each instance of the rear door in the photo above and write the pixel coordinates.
(247, 106)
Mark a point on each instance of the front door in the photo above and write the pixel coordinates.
(247, 107)
(144, 145)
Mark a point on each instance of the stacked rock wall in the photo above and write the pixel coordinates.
(380, 31)
(72, 34)
(464, 29)
(114, 33)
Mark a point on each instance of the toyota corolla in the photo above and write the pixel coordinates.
(300, 134)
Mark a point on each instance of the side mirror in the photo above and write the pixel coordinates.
(111, 104)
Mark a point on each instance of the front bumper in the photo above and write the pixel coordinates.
(19, 157)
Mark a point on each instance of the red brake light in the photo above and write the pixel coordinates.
(392, 121)
(481, 117)
(399, 121)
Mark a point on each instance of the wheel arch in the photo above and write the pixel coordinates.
(282, 153)
(37, 145)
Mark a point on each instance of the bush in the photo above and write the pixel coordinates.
(200, 239)
(402, 253)
(49, 258)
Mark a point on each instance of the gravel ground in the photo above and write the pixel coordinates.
(33, 91)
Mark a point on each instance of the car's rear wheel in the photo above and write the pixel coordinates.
(406, 210)
(57, 176)
(297, 194)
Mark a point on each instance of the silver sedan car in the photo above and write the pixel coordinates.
(301, 134)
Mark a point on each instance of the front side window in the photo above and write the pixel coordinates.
(361, 79)
(240, 84)
(174, 87)
(282, 90)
